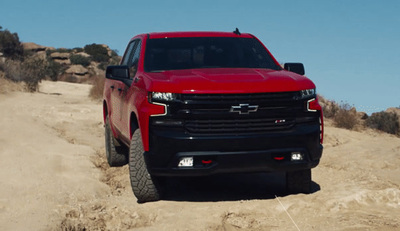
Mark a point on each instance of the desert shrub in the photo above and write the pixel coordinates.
(7, 85)
(54, 69)
(98, 52)
(345, 117)
(330, 110)
(80, 60)
(78, 49)
(68, 78)
(34, 71)
(329, 107)
(114, 53)
(113, 61)
(384, 121)
(102, 65)
(2, 67)
(10, 45)
(96, 92)
(31, 71)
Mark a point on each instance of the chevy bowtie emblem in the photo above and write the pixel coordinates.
(244, 108)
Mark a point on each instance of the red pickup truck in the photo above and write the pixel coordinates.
(203, 103)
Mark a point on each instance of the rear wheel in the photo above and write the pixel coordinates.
(117, 154)
(299, 181)
(145, 187)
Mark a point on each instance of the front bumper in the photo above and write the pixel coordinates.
(233, 153)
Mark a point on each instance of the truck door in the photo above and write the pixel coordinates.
(131, 60)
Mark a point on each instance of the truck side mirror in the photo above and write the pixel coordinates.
(117, 72)
(297, 68)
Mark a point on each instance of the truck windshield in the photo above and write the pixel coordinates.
(206, 52)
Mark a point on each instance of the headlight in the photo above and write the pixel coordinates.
(308, 93)
(162, 96)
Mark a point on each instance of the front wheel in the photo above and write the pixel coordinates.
(298, 181)
(145, 187)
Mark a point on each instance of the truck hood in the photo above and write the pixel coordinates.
(226, 80)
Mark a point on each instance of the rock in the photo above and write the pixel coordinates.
(34, 47)
(362, 115)
(41, 55)
(61, 58)
(84, 54)
(77, 70)
(109, 51)
(2, 59)
(59, 55)
(395, 110)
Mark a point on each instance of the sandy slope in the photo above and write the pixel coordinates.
(53, 176)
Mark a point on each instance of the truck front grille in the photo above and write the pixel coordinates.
(216, 114)
(237, 125)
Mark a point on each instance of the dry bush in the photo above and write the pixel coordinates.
(98, 86)
(68, 78)
(384, 121)
(30, 71)
(345, 117)
(329, 107)
(7, 86)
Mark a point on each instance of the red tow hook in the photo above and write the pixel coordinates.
(279, 157)
(206, 161)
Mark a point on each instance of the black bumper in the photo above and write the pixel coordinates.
(233, 153)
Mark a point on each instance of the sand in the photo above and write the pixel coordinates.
(54, 176)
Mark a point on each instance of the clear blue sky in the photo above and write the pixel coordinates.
(350, 48)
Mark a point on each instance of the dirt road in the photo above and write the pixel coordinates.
(54, 176)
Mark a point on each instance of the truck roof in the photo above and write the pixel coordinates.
(181, 34)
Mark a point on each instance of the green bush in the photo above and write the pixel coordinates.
(10, 45)
(80, 60)
(384, 121)
(345, 117)
(98, 52)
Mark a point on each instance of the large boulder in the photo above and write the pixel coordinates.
(362, 115)
(109, 51)
(77, 70)
(84, 54)
(394, 110)
(34, 47)
(61, 57)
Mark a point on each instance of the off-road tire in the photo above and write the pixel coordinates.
(117, 154)
(298, 181)
(145, 187)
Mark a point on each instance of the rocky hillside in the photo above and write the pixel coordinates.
(77, 64)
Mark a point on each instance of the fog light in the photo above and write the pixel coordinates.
(296, 156)
(186, 162)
